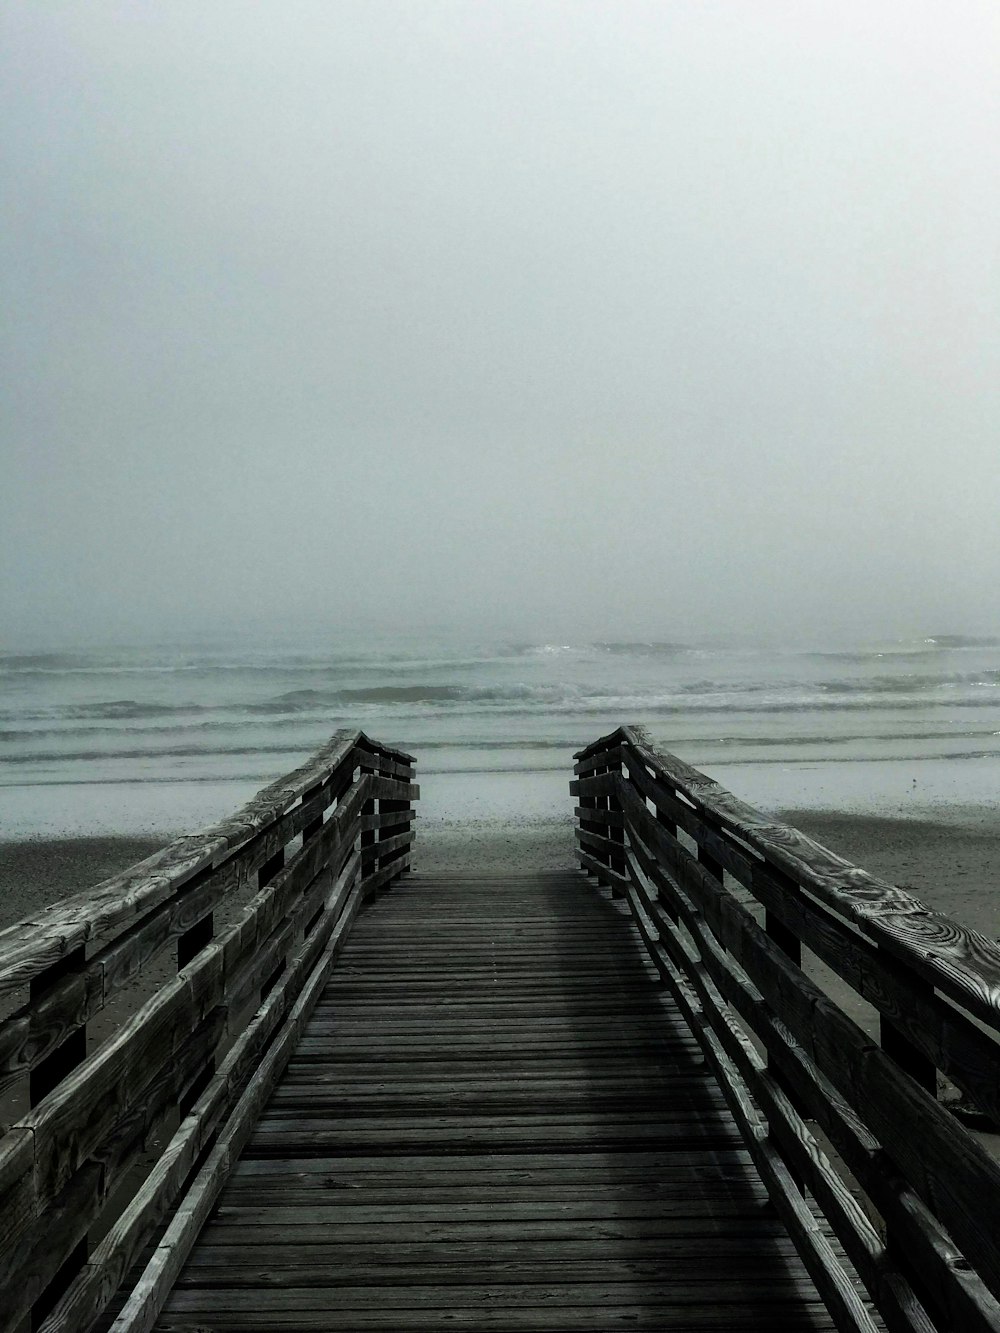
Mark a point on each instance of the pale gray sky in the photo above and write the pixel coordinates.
(655, 318)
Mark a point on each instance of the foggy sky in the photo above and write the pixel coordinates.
(658, 319)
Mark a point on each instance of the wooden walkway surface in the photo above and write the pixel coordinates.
(495, 1119)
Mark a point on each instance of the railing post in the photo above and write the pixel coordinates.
(369, 836)
(615, 833)
(310, 830)
(789, 943)
(909, 1057)
(786, 940)
(383, 834)
(589, 825)
(710, 864)
(189, 945)
(396, 829)
(597, 764)
(271, 867)
(669, 826)
(41, 1081)
(897, 1045)
(194, 939)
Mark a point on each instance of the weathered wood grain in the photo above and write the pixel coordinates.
(94, 1119)
(942, 1033)
(30, 947)
(107, 1266)
(946, 1167)
(711, 982)
(957, 1290)
(959, 961)
(917, 1165)
(574, 1181)
(150, 1292)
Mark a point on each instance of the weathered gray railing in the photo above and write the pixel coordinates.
(842, 1127)
(206, 960)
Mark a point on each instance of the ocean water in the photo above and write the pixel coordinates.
(164, 738)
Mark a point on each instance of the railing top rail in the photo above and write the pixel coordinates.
(204, 963)
(957, 959)
(30, 946)
(737, 911)
(605, 742)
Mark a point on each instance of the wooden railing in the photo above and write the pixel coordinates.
(201, 965)
(847, 1131)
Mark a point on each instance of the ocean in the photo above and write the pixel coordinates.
(164, 738)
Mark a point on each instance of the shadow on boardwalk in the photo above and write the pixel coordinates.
(495, 1118)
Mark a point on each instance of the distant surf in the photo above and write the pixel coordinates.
(243, 713)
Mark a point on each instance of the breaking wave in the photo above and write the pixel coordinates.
(174, 714)
(963, 641)
(911, 684)
(957, 689)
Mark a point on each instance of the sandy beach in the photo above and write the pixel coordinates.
(43, 870)
(952, 862)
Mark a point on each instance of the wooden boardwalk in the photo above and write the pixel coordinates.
(495, 1118)
(270, 1079)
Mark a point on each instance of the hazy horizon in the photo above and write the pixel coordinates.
(567, 320)
(278, 635)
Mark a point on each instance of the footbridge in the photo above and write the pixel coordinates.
(276, 1078)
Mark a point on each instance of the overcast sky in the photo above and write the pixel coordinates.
(615, 317)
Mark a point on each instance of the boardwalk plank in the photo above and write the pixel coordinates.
(711, 1318)
(495, 1119)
